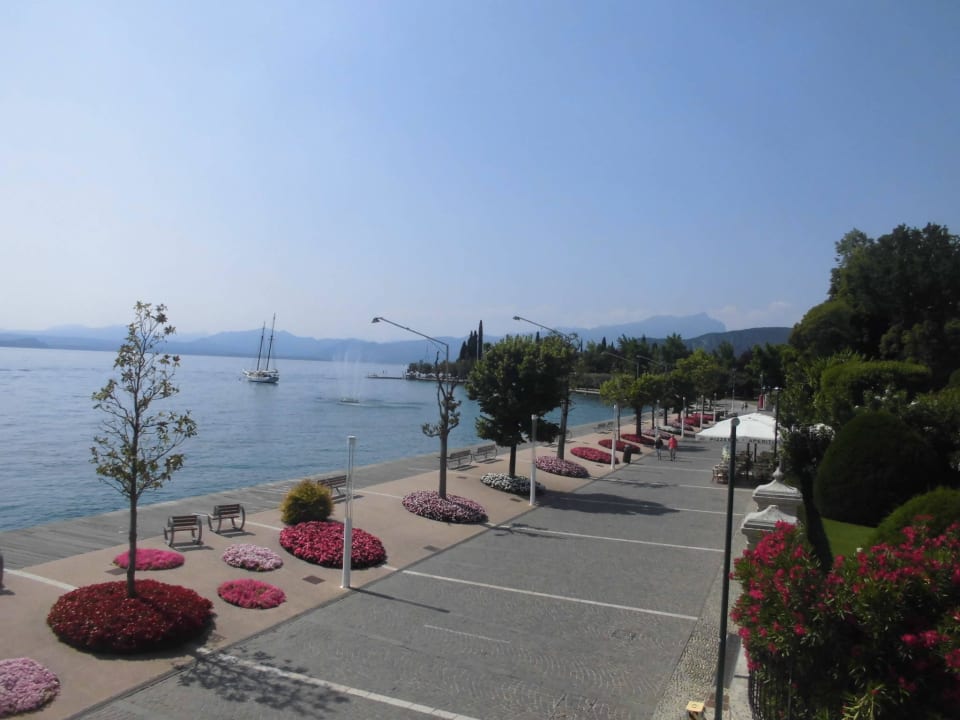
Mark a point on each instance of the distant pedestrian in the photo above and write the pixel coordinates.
(672, 444)
(659, 446)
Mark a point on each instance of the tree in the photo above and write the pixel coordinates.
(134, 453)
(449, 419)
(516, 379)
(636, 393)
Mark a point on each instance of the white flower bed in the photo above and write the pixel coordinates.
(252, 557)
(518, 485)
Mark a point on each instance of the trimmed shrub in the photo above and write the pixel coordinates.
(939, 509)
(875, 464)
(307, 501)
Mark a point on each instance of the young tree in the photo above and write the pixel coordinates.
(134, 453)
(449, 419)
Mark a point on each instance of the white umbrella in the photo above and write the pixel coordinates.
(753, 427)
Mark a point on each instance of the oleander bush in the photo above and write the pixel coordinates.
(252, 557)
(621, 445)
(25, 685)
(878, 636)
(150, 559)
(251, 594)
(306, 501)
(592, 454)
(321, 543)
(516, 484)
(556, 466)
(453, 508)
(937, 509)
(101, 618)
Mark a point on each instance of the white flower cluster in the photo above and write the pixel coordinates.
(516, 484)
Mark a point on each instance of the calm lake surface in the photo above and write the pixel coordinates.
(247, 433)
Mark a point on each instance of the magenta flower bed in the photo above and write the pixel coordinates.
(621, 445)
(456, 509)
(149, 559)
(557, 466)
(251, 594)
(591, 454)
(252, 557)
(101, 618)
(321, 543)
(25, 685)
(640, 439)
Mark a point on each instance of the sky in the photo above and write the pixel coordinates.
(440, 163)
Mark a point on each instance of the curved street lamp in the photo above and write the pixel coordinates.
(444, 429)
(565, 403)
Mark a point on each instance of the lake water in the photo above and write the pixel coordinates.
(247, 433)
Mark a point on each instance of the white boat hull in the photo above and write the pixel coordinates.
(262, 376)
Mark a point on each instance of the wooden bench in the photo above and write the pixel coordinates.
(227, 512)
(183, 522)
(335, 483)
(459, 458)
(485, 452)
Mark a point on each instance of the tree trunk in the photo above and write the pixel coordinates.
(132, 551)
(442, 490)
(512, 469)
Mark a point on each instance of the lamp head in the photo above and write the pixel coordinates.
(516, 317)
(376, 320)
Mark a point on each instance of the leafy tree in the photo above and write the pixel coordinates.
(516, 379)
(700, 372)
(859, 383)
(135, 452)
(803, 450)
(449, 419)
(636, 393)
(673, 349)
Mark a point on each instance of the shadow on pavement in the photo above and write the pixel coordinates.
(599, 502)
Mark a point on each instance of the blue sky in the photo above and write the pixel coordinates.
(441, 163)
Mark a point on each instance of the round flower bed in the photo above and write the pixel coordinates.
(591, 454)
(621, 445)
(251, 594)
(516, 484)
(321, 543)
(252, 557)
(639, 439)
(149, 559)
(101, 618)
(429, 504)
(557, 466)
(25, 685)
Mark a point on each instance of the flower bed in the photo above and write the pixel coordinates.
(25, 685)
(516, 484)
(639, 439)
(591, 454)
(251, 594)
(101, 618)
(557, 466)
(429, 504)
(621, 445)
(150, 559)
(252, 557)
(321, 543)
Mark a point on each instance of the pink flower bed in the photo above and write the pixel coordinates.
(149, 559)
(591, 454)
(456, 509)
(251, 594)
(640, 439)
(25, 685)
(252, 557)
(321, 543)
(557, 466)
(621, 445)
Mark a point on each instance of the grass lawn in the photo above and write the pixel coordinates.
(845, 538)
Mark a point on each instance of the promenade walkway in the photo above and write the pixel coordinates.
(600, 602)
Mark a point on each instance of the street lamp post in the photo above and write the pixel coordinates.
(445, 410)
(725, 591)
(565, 402)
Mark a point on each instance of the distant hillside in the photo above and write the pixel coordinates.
(741, 340)
(658, 326)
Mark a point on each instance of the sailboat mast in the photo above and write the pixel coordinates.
(260, 350)
(270, 346)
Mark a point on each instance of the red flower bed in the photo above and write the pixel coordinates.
(621, 445)
(429, 504)
(321, 543)
(642, 439)
(592, 454)
(149, 559)
(251, 594)
(101, 618)
(557, 466)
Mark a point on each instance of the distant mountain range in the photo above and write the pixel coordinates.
(698, 331)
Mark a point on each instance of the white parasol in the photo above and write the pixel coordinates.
(753, 427)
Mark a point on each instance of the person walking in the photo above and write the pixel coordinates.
(672, 444)
(659, 446)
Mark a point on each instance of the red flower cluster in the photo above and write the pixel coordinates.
(591, 454)
(557, 466)
(101, 618)
(881, 628)
(453, 508)
(321, 543)
(641, 439)
(621, 445)
(150, 559)
(251, 594)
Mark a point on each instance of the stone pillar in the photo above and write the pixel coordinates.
(757, 524)
(775, 492)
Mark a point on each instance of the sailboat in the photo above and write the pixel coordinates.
(264, 374)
